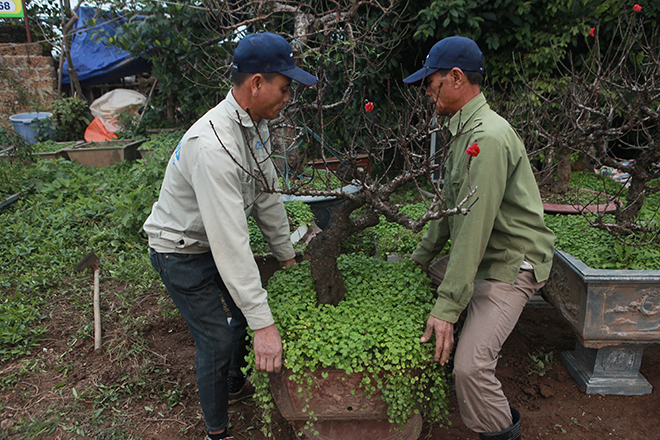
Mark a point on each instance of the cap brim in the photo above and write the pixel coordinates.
(297, 74)
(420, 75)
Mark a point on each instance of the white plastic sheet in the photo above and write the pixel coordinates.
(119, 101)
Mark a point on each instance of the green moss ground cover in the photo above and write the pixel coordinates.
(596, 248)
(374, 331)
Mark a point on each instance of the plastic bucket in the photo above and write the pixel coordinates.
(25, 124)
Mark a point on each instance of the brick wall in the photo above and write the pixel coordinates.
(28, 80)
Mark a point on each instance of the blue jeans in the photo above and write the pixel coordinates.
(196, 288)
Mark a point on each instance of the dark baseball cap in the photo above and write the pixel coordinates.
(448, 53)
(266, 52)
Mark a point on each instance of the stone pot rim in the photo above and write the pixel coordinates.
(589, 274)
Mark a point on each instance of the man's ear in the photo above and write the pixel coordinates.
(457, 76)
(256, 81)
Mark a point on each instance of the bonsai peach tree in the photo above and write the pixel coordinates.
(352, 312)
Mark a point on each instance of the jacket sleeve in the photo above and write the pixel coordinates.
(217, 182)
(471, 232)
(433, 241)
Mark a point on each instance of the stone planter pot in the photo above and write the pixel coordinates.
(323, 207)
(50, 155)
(10, 153)
(103, 154)
(615, 314)
(341, 409)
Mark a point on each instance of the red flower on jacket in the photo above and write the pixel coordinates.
(369, 106)
(473, 150)
(592, 32)
(637, 7)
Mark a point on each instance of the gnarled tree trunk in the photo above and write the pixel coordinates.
(324, 250)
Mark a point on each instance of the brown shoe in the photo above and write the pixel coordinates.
(239, 389)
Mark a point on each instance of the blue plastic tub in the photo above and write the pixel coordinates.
(25, 124)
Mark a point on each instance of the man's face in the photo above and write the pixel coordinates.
(269, 97)
(441, 92)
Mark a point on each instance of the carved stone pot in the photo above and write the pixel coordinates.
(615, 314)
(338, 408)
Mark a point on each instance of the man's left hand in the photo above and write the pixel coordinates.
(287, 263)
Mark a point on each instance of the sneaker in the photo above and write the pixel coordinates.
(239, 389)
(224, 436)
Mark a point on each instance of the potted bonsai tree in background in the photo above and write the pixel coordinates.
(607, 110)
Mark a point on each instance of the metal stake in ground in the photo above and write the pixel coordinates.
(92, 261)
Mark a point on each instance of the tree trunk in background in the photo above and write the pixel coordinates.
(639, 177)
(563, 181)
(73, 75)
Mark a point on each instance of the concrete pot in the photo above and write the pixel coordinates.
(339, 408)
(323, 207)
(552, 208)
(103, 154)
(615, 314)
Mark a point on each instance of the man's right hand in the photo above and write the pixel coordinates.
(268, 349)
(424, 268)
(444, 338)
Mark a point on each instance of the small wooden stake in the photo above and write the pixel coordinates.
(97, 310)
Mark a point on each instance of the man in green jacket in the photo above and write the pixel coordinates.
(501, 251)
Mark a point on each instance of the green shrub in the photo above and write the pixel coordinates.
(14, 177)
(72, 116)
(598, 249)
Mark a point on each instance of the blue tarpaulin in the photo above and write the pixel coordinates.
(96, 61)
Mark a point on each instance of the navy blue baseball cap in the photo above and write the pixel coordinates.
(448, 53)
(265, 52)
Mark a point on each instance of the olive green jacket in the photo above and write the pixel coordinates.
(504, 226)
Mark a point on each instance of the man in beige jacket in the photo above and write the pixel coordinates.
(198, 230)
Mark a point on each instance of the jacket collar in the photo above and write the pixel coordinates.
(465, 114)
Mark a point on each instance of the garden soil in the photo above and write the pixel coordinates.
(142, 383)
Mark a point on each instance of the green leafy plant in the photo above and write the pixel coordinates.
(374, 331)
(14, 178)
(19, 327)
(72, 116)
(595, 247)
(14, 144)
(541, 363)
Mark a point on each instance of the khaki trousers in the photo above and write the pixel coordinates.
(491, 316)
